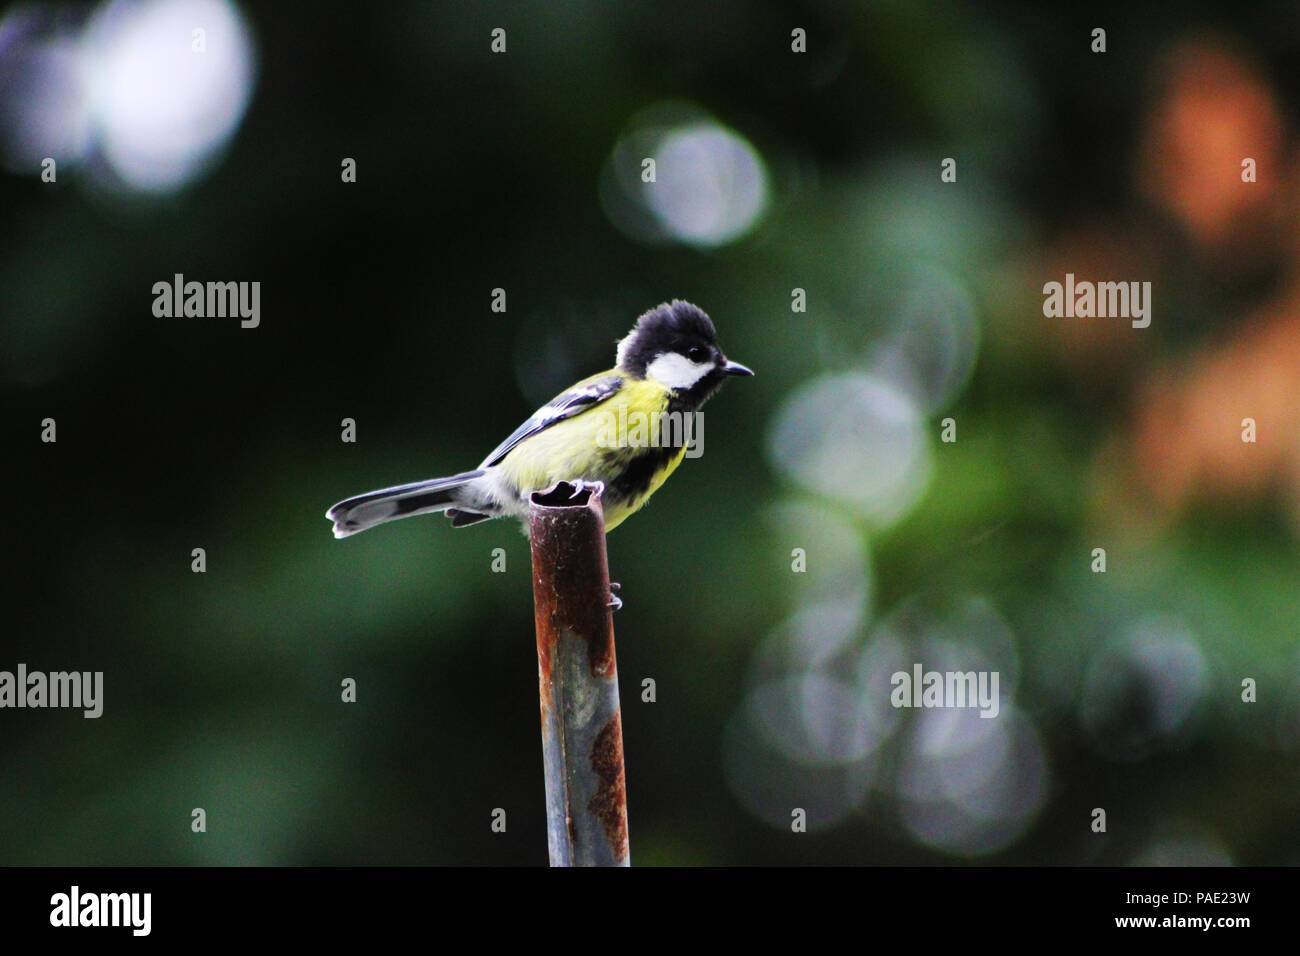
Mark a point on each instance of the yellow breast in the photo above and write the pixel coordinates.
(606, 443)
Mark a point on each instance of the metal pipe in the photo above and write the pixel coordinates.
(577, 676)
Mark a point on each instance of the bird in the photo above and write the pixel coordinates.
(625, 430)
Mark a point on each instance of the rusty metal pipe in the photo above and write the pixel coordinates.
(577, 676)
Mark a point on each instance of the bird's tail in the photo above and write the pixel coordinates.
(389, 504)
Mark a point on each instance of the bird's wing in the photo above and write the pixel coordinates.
(572, 401)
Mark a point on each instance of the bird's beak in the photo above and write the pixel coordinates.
(735, 368)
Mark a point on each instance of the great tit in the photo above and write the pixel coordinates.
(665, 370)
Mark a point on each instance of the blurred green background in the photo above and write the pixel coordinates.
(775, 171)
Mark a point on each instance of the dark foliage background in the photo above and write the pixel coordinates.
(478, 171)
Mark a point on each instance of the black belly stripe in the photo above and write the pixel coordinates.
(634, 479)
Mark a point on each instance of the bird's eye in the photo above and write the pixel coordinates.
(696, 353)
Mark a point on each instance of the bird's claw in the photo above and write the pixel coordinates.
(580, 486)
(615, 602)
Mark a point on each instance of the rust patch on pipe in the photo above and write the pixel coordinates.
(609, 803)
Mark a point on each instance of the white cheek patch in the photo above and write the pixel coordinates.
(677, 371)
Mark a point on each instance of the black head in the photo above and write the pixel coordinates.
(675, 343)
